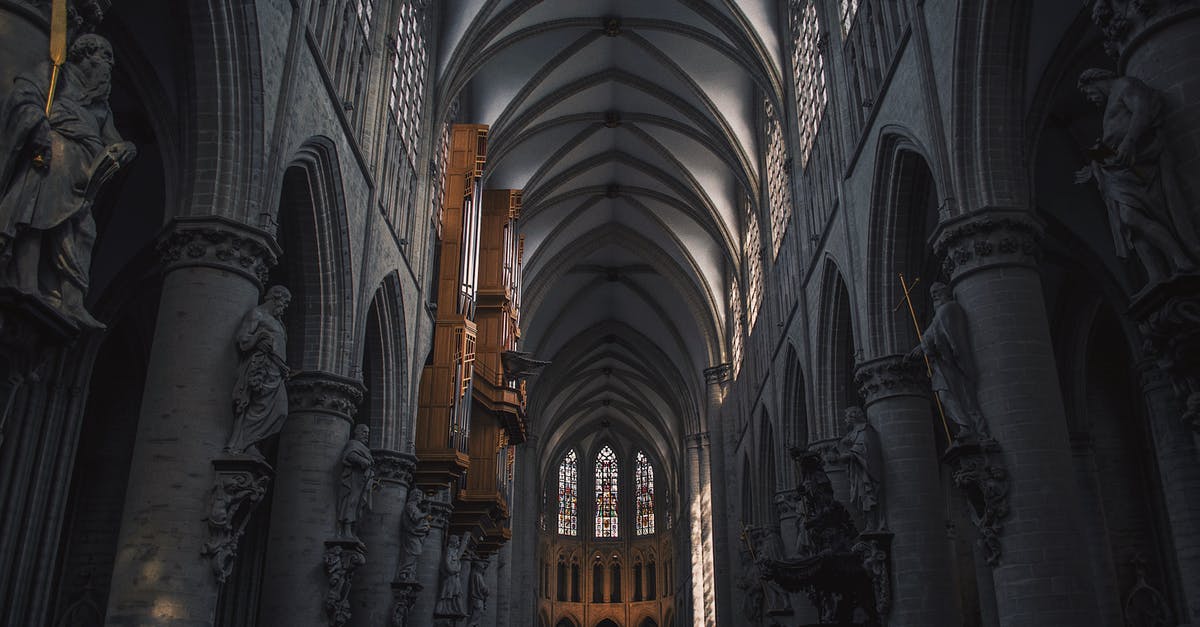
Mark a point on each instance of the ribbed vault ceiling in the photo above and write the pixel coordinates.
(631, 126)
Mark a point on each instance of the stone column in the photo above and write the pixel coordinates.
(897, 400)
(504, 582)
(429, 566)
(695, 514)
(371, 598)
(717, 378)
(1179, 472)
(214, 270)
(1040, 577)
(304, 507)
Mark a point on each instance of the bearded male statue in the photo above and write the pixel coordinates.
(51, 168)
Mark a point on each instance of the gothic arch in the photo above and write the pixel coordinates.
(904, 202)
(385, 368)
(836, 349)
(794, 408)
(316, 264)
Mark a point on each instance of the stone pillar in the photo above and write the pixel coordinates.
(897, 400)
(214, 270)
(1094, 530)
(371, 598)
(1179, 472)
(717, 378)
(429, 566)
(695, 514)
(504, 579)
(304, 507)
(1041, 576)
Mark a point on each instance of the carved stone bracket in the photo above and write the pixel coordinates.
(1169, 321)
(874, 547)
(220, 243)
(240, 484)
(326, 393)
(342, 558)
(405, 594)
(394, 466)
(890, 376)
(979, 472)
(440, 510)
(1125, 22)
(992, 237)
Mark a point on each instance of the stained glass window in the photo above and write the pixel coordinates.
(568, 480)
(754, 267)
(606, 493)
(644, 474)
(406, 94)
(808, 68)
(849, 10)
(779, 189)
(735, 326)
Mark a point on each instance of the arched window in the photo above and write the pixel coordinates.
(808, 69)
(615, 592)
(597, 581)
(606, 493)
(568, 479)
(644, 473)
(779, 186)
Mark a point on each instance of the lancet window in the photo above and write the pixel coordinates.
(736, 345)
(848, 9)
(408, 76)
(644, 475)
(754, 268)
(779, 189)
(808, 70)
(568, 482)
(606, 493)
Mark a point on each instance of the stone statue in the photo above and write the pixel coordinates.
(477, 592)
(947, 346)
(414, 526)
(1135, 177)
(752, 590)
(51, 168)
(358, 477)
(767, 549)
(260, 402)
(450, 593)
(863, 454)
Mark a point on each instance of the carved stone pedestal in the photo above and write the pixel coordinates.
(343, 557)
(240, 484)
(405, 593)
(29, 329)
(874, 547)
(1169, 319)
(978, 471)
(448, 620)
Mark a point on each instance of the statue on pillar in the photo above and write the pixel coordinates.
(358, 477)
(1133, 172)
(450, 592)
(53, 161)
(260, 403)
(414, 527)
(947, 348)
(863, 454)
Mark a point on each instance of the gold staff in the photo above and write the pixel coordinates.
(928, 367)
(58, 56)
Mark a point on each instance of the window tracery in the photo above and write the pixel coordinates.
(606, 493)
(849, 8)
(409, 64)
(808, 70)
(644, 475)
(779, 190)
(736, 341)
(754, 268)
(568, 481)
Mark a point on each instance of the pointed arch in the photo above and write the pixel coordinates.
(836, 351)
(568, 494)
(385, 369)
(643, 494)
(607, 475)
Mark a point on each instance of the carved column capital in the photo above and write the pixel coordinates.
(1127, 23)
(220, 243)
(394, 466)
(718, 374)
(698, 440)
(890, 376)
(326, 393)
(988, 238)
(439, 512)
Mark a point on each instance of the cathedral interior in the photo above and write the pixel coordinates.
(610, 313)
